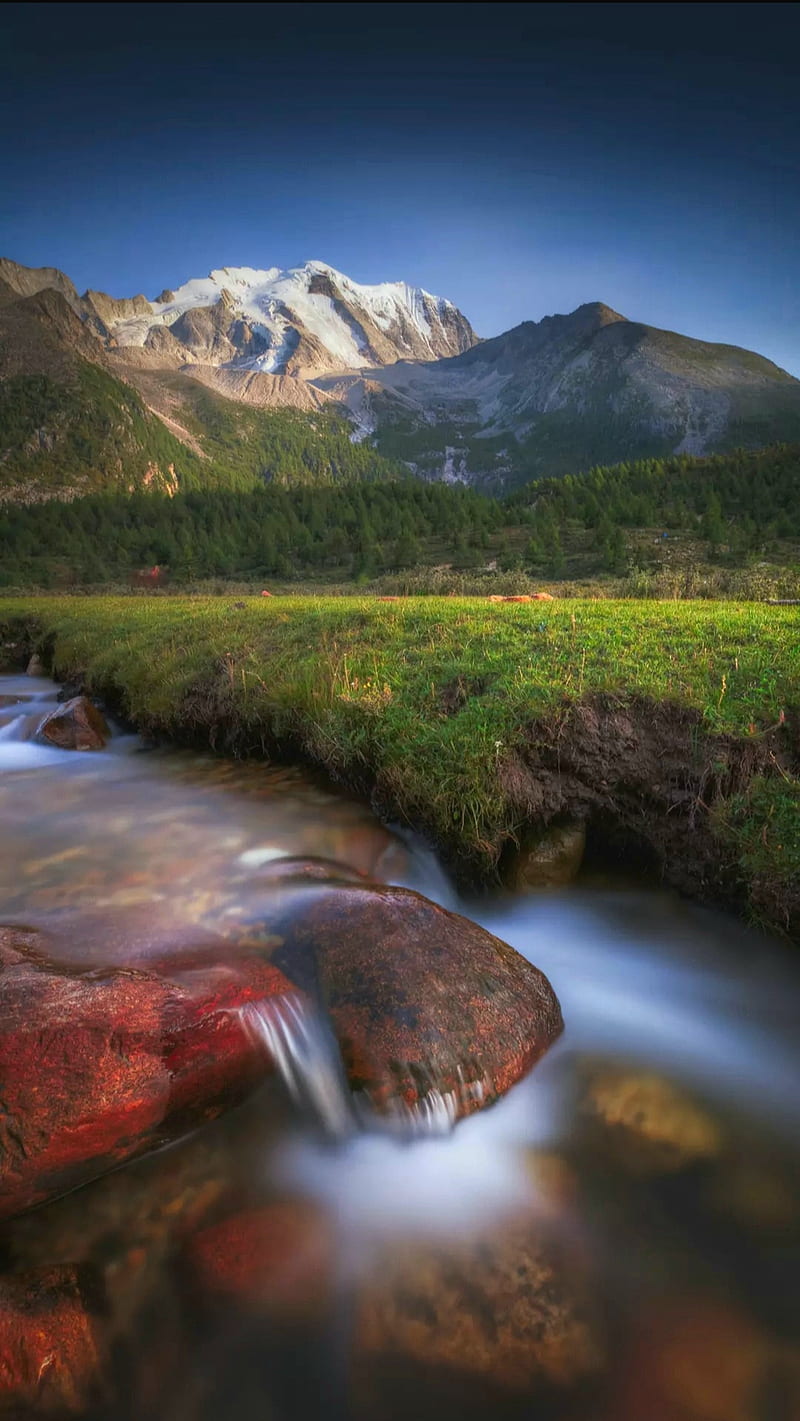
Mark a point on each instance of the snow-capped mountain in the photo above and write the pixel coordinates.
(304, 322)
(399, 369)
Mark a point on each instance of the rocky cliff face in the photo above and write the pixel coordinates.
(29, 280)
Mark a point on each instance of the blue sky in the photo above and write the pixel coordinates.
(519, 159)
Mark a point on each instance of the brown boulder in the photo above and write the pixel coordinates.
(75, 725)
(52, 1353)
(429, 1009)
(491, 1317)
(99, 1066)
(548, 860)
(643, 1122)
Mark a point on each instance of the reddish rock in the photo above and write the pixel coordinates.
(266, 594)
(75, 725)
(99, 1066)
(276, 1258)
(423, 1003)
(52, 1353)
(705, 1359)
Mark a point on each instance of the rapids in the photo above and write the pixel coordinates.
(617, 1239)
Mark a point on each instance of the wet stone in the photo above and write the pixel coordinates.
(548, 860)
(99, 1066)
(274, 1259)
(434, 1016)
(705, 1359)
(75, 725)
(52, 1342)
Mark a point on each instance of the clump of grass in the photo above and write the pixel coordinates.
(763, 825)
(358, 686)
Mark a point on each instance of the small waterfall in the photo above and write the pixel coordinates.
(304, 1050)
(305, 1054)
(435, 1113)
(13, 728)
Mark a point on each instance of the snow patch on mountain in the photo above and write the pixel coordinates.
(317, 301)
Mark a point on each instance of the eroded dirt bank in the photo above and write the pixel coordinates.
(655, 788)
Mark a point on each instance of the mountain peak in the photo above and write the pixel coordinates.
(303, 321)
(596, 314)
(30, 280)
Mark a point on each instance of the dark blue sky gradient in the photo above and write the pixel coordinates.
(519, 159)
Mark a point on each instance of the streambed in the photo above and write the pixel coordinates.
(617, 1239)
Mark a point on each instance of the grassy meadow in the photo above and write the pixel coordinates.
(428, 700)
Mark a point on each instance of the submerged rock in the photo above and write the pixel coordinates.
(277, 1258)
(432, 1014)
(52, 1345)
(477, 1320)
(705, 1359)
(134, 1222)
(643, 1122)
(99, 1066)
(549, 860)
(75, 725)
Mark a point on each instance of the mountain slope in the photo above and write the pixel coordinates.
(569, 392)
(69, 426)
(145, 386)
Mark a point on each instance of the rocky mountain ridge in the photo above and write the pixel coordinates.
(300, 322)
(406, 368)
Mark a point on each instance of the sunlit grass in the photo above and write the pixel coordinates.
(357, 685)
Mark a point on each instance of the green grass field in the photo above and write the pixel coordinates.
(427, 698)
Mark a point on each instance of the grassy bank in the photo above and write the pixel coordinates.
(674, 723)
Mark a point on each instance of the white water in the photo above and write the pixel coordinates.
(12, 728)
(643, 978)
(300, 1042)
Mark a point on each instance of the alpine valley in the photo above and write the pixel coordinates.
(305, 376)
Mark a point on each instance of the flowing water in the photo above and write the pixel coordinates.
(616, 1240)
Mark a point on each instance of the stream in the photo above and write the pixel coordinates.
(617, 1239)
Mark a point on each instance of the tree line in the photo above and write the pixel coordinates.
(739, 503)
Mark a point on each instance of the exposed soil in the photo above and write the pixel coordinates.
(644, 775)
